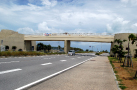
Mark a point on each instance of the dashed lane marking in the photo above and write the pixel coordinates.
(8, 71)
(9, 62)
(63, 60)
(46, 63)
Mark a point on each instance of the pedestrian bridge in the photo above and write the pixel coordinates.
(68, 37)
(84, 37)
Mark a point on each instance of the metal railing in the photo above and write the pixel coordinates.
(70, 34)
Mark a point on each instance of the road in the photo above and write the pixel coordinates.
(17, 72)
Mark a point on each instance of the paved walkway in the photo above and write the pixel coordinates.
(95, 74)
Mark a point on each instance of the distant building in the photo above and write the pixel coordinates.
(11, 38)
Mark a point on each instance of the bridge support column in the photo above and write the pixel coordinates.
(66, 46)
(30, 46)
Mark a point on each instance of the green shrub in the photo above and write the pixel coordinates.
(97, 54)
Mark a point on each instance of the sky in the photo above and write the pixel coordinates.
(72, 16)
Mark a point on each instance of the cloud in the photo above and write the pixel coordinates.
(81, 16)
(25, 30)
(119, 25)
(130, 2)
(135, 24)
(51, 3)
(43, 27)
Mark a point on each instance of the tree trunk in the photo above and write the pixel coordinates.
(136, 75)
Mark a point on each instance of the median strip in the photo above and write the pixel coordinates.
(8, 71)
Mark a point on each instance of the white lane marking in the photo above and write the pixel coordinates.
(63, 60)
(66, 56)
(4, 62)
(45, 78)
(7, 71)
(46, 63)
(78, 57)
(9, 62)
(49, 58)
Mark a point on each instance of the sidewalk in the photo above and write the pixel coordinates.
(95, 74)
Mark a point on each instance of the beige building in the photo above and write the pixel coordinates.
(124, 36)
(11, 38)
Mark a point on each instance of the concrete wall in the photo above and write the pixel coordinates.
(12, 38)
(123, 36)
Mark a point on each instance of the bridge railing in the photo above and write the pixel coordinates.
(70, 34)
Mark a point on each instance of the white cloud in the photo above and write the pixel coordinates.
(43, 27)
(109, 28)
(135, 24)
(119, 25)
(132, 2)
(25, 30)
(125, 1)
(49, 3)
(81, 16)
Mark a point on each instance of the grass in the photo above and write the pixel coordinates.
(23, 53)
(112, 59)
(98, 53)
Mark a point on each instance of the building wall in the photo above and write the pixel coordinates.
(123, 36)
(12, 38)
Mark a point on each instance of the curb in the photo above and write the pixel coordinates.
(115, 78)
(50, 76)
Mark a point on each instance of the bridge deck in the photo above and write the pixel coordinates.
(90, 38)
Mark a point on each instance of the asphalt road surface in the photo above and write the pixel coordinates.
(19, 71)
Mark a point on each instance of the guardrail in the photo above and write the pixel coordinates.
(70, 34)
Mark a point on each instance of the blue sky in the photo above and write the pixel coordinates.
(72, 16)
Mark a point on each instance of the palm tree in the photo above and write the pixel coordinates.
(40, 46)
(115, 50)
(120, 48)
(49, 47)
(131, 37)
(59, 47)
(45, 48)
